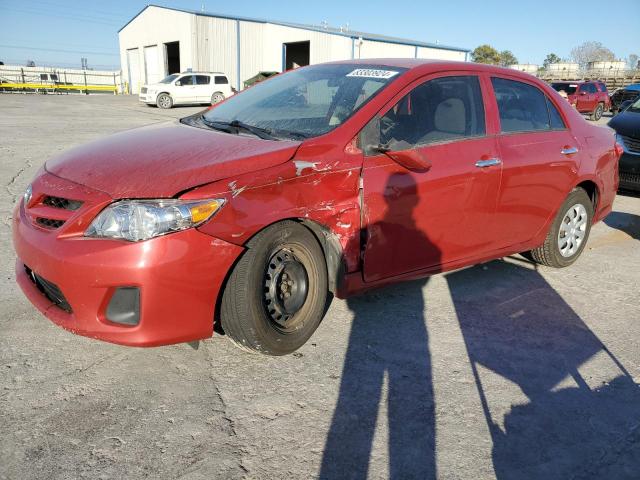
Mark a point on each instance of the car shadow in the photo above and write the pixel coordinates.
(516, 326)
(625, 222)
(388, 343)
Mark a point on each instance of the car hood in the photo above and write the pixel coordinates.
(627, 124)
(164, 159)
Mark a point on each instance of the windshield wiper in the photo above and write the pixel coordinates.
(229, 127)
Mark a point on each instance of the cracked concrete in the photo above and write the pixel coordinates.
(498, 371)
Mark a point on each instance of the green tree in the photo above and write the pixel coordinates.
(549, 59)
(507, 58)
(486, 54)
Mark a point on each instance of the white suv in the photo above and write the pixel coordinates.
(185, 88)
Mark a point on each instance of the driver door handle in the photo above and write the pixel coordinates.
(488, 163)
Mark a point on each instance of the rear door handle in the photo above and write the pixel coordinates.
(488, 163)
(569, 150)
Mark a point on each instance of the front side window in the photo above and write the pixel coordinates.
(439, 110)
(169, 78)
(522, 107)
(186, 80)
(221, 80)
(306, 102)
(203, 79)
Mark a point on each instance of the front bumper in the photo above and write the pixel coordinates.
(630, 171)
(147, 98)
(179, 277)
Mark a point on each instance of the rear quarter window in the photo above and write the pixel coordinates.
(221, 80)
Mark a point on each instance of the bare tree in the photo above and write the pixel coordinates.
(632, 61)
(591, 52)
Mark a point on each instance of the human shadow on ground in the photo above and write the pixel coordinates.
(517, 326)
(625, 222)
(389, 340)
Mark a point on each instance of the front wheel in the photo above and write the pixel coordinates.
(164, 100)
(275, 297)
(569, 232)
(597, 112)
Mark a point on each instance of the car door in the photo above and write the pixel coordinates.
(203, 88)
(416, 219)
(587, 97)
(538, 153)
(184, 90)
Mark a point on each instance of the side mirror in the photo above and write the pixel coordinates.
(411, 159)
(178, 83)
(583, 92)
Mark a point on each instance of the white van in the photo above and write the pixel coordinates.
(187, 88)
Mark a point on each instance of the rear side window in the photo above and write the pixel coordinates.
(203, 79)
(554, 117)
(443, 109)
(221, 80)
(522, 107)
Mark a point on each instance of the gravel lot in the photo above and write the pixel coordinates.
(502, 370)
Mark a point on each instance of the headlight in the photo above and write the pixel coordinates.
(136, 220)
(26, 197)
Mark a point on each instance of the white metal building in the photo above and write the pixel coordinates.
(160, 40)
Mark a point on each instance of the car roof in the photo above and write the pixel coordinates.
(201, 73)
(635, 87)
(427, 65)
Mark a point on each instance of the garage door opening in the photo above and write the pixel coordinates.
(172, 58)
(296, 54)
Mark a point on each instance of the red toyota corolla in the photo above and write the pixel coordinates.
(331, 178)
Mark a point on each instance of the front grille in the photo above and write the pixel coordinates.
(49, 223)
(49, 290)
(143, 90)
(62, 203)
(632, 144)
(630, 178)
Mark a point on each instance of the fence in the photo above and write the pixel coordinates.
(612, 78)
(15, 78)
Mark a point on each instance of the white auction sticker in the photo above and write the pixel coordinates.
(372, 73)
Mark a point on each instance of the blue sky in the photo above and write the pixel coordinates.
(57, 32)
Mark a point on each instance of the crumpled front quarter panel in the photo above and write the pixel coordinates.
(320, 184)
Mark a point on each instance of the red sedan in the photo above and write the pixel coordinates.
(330, 178)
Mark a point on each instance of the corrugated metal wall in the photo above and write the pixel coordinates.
(216, 41)
(371, 49)
(441, 54)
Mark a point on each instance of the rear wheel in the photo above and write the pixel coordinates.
(164, 100)
(597, 112)
(217, 98)
(569, 232)
(275, 297)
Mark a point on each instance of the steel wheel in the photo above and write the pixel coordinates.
(573, 229)
(597, 113)
(286, 285)
(216, 98)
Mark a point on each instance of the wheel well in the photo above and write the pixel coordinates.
(592, 190)
(331, 249)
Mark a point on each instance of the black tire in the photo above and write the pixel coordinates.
(249, 312)
(217, 97)
(164, 101)
(597, 112)
(549, 253)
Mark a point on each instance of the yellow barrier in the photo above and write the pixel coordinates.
(40, 86)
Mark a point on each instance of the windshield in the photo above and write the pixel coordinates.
(307, 102)
(569, 88)
(634, 107)
(169, 78)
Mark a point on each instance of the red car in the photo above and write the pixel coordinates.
(335, 178)
(587, 97)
